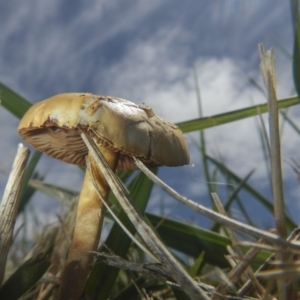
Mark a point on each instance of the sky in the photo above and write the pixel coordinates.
(146, 52)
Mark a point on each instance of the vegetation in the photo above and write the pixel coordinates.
(221, 263)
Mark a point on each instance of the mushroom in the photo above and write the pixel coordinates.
(122, 130)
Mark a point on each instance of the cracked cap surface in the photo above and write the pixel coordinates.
(55, 124)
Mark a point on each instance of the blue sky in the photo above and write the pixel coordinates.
(145, 51)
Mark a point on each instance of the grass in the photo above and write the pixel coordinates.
(216, 262)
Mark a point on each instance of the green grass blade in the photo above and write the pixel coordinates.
(290, 122)
(131, 291)
(27, 191)
(180, 295)
(207, 122)
(244, 212)
(232, 197)
(296, 52)
(192, 240)
(56, 192)
(262, 200)
(103, 277)
(202, 139)
(263, 138)
(13, 102)
(194, 270)
(25, 277)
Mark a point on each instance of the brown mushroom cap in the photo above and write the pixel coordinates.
(55, 124)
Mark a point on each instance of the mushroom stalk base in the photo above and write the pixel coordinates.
(90, 213)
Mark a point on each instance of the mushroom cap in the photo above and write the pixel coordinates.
(55, 124)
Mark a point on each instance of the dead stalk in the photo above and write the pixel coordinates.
(226, 221)
(10, 205)
(242, 266)
(267, 67)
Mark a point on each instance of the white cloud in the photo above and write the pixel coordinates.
(148, 75)
(152, 70)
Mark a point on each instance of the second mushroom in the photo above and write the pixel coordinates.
(121, 129)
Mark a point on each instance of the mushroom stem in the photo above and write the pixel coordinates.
(90, 212)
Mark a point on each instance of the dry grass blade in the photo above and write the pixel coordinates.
(267, 67)
(242, 266)
(268, 73)
(266, 265)
(139, 244)
(269, 237)
(282, 272)
(169, 263)
(148, 269)
(10, 204)
(121, 263)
